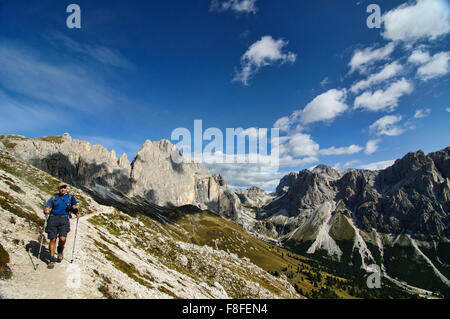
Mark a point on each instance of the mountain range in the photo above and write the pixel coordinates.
(351, 220)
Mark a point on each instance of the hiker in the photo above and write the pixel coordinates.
(59, 207)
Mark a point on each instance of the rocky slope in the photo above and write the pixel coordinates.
(398, 217)
(144, 251)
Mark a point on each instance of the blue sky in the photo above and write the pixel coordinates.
(341, 93)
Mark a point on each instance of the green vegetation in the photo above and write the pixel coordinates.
(404, 262)
(16, 207)
(340, 205)
(52, 139)
(124, 267)
(347, 280)
(9, 140)
(147, 237)
(443, 252)
(37, 178)
(110, 224)
(40, 180)
(341, 228)
(306, 275)
(110, 242)
(376, 253)
(167, 292)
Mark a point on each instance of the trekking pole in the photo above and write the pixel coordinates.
(42, 240)
(74, 241)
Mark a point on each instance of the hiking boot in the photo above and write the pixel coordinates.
(51, 264)
(60, 251)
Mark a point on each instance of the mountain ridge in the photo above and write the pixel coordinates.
(356, 217)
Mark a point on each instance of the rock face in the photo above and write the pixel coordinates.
(157, 173)
(411, 196)
(398, 217)
(157, 176)
(254, 196)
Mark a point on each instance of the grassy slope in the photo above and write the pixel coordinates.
(310, 277)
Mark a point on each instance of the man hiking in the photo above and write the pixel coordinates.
(59, 207)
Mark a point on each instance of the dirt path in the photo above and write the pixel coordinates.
(61, 282)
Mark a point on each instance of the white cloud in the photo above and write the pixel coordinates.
(289, 161)
(421, 113)
(352, 149)
(378, 165)
(426, 19)
(381, 100)
(242, 173)
(239, 6)
(437, 66)
(246, 175)
(387, 125)
(419, 57)
(324, 107)
(447, 109)
(283, 123)
(372, 146)
(264, 52)
(363, 58)
(388, 71)
(298, 145)
(351, 163)
(324, 82)
(298, 148)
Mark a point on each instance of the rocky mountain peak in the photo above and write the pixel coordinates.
(157, 173)
(409, 168)
(441, 160)
(285, 183)
(124, 162)
(327, 172)
(220, 180)
(66, 138)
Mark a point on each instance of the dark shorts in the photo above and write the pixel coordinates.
(57, 226)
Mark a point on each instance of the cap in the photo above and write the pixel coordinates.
(61, 185)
